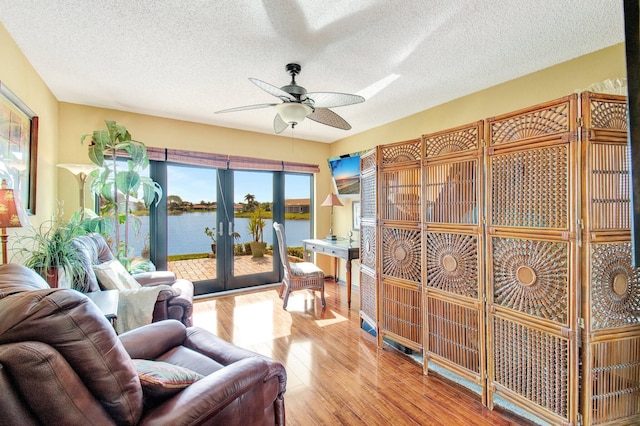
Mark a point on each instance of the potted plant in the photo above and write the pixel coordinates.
(256, 229)
(49, 251)
(211, 233)
(116, 186)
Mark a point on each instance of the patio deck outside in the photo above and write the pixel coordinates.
(205, 268)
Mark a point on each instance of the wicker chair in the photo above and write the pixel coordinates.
(297, 276)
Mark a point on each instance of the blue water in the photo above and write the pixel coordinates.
(186, 232)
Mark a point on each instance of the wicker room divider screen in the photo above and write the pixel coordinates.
(399, 247)
(610, 286)
(513, 267)
(454, 292)
(532, 286)
(368, 239)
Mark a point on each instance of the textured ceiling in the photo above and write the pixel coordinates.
(188, 59)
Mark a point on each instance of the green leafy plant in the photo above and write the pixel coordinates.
(257, 224)
(116, 187)
(48, 249)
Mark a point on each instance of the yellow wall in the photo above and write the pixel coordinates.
(545, 85)
(20, 77)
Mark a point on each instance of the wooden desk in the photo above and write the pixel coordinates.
(107, 302)
(339, 249)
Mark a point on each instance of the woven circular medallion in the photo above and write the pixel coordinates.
(449, 263)
(620, 284)
(401, 254)
(526, 275)
(452, 263)
(368, 252)
(531, 277)
(615, 286)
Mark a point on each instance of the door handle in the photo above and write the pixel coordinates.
(220, 231)
(230, 229)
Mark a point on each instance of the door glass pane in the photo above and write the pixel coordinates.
(297, 211)
(253, 202)
(191, 208)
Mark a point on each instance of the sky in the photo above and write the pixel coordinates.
(195, 184)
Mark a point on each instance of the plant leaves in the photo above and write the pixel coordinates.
(96, 155)
(127, 181)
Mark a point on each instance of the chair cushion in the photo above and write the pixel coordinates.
(305, 268)
(113, 276)
(160, 379)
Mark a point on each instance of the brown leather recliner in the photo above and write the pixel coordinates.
(176, 303)
(62, 363)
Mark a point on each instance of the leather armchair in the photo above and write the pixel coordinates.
(62, 363)
(176, 303)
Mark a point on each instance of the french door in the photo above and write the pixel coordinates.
(207, 235)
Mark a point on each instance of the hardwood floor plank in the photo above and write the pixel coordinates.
(336, 374)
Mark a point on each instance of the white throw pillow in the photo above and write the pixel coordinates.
(113, 276)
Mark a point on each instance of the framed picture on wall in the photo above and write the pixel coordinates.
(18, 147)
(355, 212)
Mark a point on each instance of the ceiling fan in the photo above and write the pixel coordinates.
(297, 104)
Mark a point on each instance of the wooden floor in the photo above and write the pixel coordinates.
(336, 373)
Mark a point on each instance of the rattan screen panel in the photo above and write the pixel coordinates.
(368, 295)
(531, 276)
(530, 188)
(368, 161)
(605, 111)
(532, 363)
(401, 253)
(453, 333)
(451, 192)
(614, 286)
(400, 152)
(457, 141)
(546, 120)
(368, 245)
(451, 262)
(615, 381)
(609, 197)
(400, 195)
(368, 195)
(401, 312)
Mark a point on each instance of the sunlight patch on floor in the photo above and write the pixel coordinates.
(207, 319)
(334, 319)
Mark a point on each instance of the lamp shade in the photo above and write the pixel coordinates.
(77, 169)
(332, 200)
(12, 213)
(293, 112)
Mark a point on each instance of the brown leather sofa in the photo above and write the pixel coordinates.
(62, 363)
(176, 303)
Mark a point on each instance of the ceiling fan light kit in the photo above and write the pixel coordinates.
(293, 113)
(297, 104)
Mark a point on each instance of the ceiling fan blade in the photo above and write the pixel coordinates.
(244, 108)
(279, 125)
(332, 99)
(273, 90)
(330, 118)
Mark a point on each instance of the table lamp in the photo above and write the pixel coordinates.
(81, 172)
(331, 200)
(12, 215)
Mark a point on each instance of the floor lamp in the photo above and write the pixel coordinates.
(331, 200)
(12, 215)
(81, 172)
